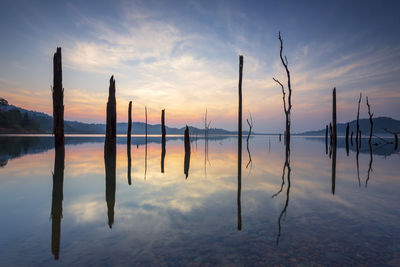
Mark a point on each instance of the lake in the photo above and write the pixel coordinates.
(78, 212)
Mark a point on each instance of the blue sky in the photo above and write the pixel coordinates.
(183, 56)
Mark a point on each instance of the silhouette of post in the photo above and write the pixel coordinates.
(58, 100)
(111, 124)
(129, 141)
(110, 151)
(57, 198)
(358, 123)
(187, 152)
(239, 222)
(347, 138)
(145, 148)
(334, 129)
(280, 137)
(163, 141)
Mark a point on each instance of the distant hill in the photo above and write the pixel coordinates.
(14, 119)
(380, 123)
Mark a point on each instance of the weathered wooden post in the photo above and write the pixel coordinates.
(111, 124)
(187, 152)
(334, 140)
(163, 140)
(334, 128)
(110, 151)
(129, 142)
(347, 138)
(358, 123)
(58, 100)
(239, 222)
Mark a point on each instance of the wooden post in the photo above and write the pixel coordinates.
(58, 100)
(187, 152)
(347, 138)
(129, 142)
(129, 122)
(111, 124)
(334, 128)
(239, 222)
(163, 140)
(358, 123)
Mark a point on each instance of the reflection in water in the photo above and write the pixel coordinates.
(334, 148)
(370, 164)
(187, 152)
(110, 165)
(286, 165)
(57, 198)
(129, 161)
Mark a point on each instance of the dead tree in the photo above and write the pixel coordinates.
(287, 105)
(111, 124)
(371, 122)
(58, 100)
(358, 122)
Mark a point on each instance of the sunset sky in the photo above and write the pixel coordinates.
(183, 56)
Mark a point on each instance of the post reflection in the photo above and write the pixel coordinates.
(110, 166)
(57, 198)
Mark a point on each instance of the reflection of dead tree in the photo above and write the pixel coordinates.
(370, 164)
(206, 130)
(287, 104)
(250, 123)
(286, 166)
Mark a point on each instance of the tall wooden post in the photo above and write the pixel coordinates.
(163, 140)
(111, 125)
(326, 139)
(347, 138)
(334, 129)
(58, 100)
(239, 222)
(129, 122)
(129, 142)
(187, 152)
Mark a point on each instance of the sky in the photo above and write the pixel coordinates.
(183, 56)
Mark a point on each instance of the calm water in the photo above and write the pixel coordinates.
(83, 218)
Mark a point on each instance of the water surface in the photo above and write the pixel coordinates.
(71, 212)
